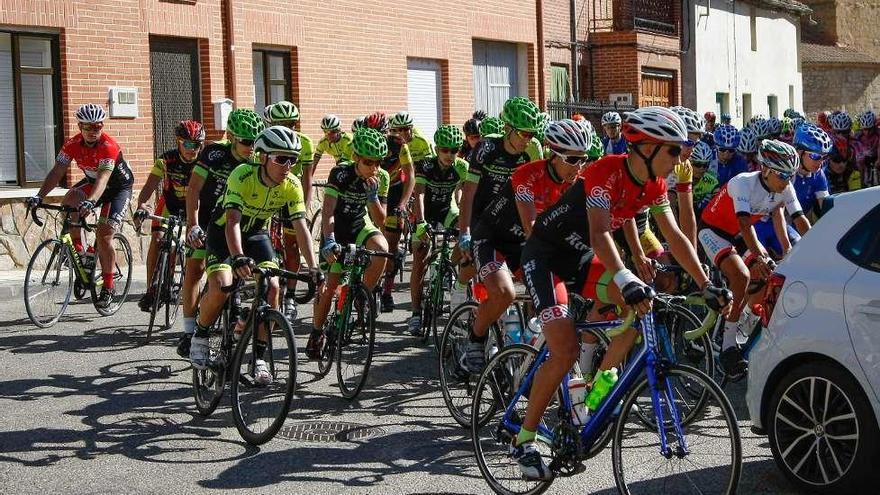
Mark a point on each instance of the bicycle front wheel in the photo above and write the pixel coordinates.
(173, 287)
(705, 459)
(208, 384)
(260, 402)
(354, 345)
(121, 271)
(157, 288)
(48, 283)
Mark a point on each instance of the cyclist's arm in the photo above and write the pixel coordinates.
(408, 186)
(419, 203)
(307, 183)
(631, 234)
(303, 238)
(193, 190)
(100, 185)
(601, 240)
(749, 235)
(377, 211)
(682, 249)
(468, 189)
(233, 232)
(801, 223)
(147, 191)
(327, 209)
(685, 196)
(779, 227)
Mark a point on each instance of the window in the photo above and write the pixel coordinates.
(861, 244)
(722, 103)
(773, 106)
(271, 78)
(747, 107)
(753, 27)
(559, 83)
(29, 107)
(496, 74)
(791, 96)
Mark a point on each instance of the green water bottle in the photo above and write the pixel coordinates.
(601, 387)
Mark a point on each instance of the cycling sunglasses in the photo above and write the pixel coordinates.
(726, 150)
(92, 127)
(816, 156)
(699, 164)
(447, 150)
(574, 161)
(784, 176)
(245, 142)
(284, 160)
(524, 134)
(191, 145)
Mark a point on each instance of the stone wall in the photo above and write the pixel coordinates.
(853, 88)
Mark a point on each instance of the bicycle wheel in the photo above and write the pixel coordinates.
(456, 383)
(259, 409)
(328, 353)
(157, 288)
(121, 276)
(443, 305)
(315, 229)
(48, 283)
(494, 391)
(713, 461)
(354, 346)
(173, 287)
(208, 384)
(428, 309)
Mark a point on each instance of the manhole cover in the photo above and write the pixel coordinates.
(329, 431)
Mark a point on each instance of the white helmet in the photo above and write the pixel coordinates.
(90, 114)
(778, 156)
(694, 121)
(330, 122)
(278, 139)
(702, 153)
(611, 118)
(654, 125)
(568, 135)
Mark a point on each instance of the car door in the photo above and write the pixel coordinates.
(861, 295)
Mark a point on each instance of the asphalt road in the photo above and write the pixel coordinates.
(85, 410)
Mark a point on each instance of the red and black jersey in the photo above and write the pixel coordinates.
(103, 155)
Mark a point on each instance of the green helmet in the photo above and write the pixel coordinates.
(369, 143)
(401, 120)
(448, 136)
(283, 111)
(244, 123)
(521, 113)
(491, 125)
(595, 152)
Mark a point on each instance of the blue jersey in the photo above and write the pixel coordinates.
(614, 147)
(809, 188)
(724, 172)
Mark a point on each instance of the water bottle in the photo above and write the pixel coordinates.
(532, 331)
(241, 323)
(601, 387)
(512, 329)
(577, 390)
(88, 258)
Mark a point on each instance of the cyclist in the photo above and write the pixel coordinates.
(696, 125)
(286, 114)
(472, 135)
(107, 183)
(748, 148)
(865, 144)
(437, 180)
(207, 185)
(356, 193)
(238, 239)
(491, 166)
(709, 118)
(173, 169)
(402, 129)
(774, 128)
(507, 222)
(358, 123)
(787, 130)
(704, 181)
(841, 135)
(842, 176)
(727, 164)
(728, 221)
(336, 143)
(571, 246)
(613, 142)
(725, 119)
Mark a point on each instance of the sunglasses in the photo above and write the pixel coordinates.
(191, 145)
(285, 160)
(92, 127)
(524, 134)
(816, 156)
(447, 150)
(674, 149)
(574, 161)
(245, 142)
(726, 150)
(699, 164)
(370, 163)
(784, 176)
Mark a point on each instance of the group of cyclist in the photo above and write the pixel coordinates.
(551, 203)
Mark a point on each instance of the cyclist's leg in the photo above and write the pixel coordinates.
(219, 275)
(392, 232)
(372, 239)
(599, 286)
(156, 232)
(74, 196)
(259, 248)
(420, 255)
(113, 210)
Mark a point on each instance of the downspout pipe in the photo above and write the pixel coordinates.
(229, 51)
(542, 89)
(575, 76)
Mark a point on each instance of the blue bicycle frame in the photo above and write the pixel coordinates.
(648, 360)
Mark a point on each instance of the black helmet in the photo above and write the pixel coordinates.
(472, 125)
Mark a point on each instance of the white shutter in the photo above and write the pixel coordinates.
(495, 75)
(8, 152)
(423, 87)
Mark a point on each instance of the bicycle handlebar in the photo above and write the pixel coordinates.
(62, 208)
(277, 272)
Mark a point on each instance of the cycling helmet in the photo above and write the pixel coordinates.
(567, 135)
(725, 118)
(774, 126)
(702, 153)
(709, 117)
(812, 138)
(358, 123)
(401, 120)
(796, 122)
(378, 121)
(331, 122)
(755, 118)
(448, 136)
(522, 114)
(283, 111)
(692, 119)
(190, 130)
(726, 136)
(278, 139)
(761, 128)
(789, 113)
(370, 143)
(244, 123)
(654, 125)
(778, 156)
(840, 121)
(596, 148)
(748, 141)
(612, 118)
(472, 125)
(867, 119)
(90, 114)
(491, 125)
(786, 125)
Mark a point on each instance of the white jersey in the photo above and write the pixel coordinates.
(746, 194)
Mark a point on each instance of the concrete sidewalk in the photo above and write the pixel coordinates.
(12, 283)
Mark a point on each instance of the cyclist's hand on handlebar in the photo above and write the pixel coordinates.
(86, 207)
(241, 266)
(761, 268)
(317, 276)
(645, 268)
(196, 237)
(329, 249)
(717, 298)
(33, 201)
(639, 296)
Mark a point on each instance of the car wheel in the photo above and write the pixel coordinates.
(822, 429)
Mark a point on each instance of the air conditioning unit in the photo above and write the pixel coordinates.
(621, 98)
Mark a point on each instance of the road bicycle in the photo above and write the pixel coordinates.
(167, 281)
(439, 277)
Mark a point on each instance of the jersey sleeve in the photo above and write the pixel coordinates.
(307, 153)
(661, 202)
(158, 168)
(405, 156)
(384, 181)
(523, 183)
(738, 190)
(789, 199)
(478, 159)
(421, 178)
(335, 183)
(233, 197)
(323, 147)
(65, 155)
(108, 156)
(598, 184)
(821, 185)
(296, 205)
(461, 168)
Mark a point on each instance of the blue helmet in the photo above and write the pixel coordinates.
(748, 141)
(774, 125)
(726, 136)
(811, 138)
(867, 120)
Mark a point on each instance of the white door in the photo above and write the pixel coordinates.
(495, 75)
(423, 88)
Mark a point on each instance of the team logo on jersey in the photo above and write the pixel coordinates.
(342, 175)
(427, 166)
(215, 155)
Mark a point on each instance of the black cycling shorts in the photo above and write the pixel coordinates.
(395, 194)
(113, 202)
(492, 253)
(257, 246)
(549, 276)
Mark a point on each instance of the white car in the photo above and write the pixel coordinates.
(814, 376)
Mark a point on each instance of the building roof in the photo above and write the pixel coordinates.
(790, 6)
(812, 53)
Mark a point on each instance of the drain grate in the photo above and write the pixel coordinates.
(329, 431)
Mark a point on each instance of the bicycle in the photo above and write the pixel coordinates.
(236, 362)
(503, 390)
(57, 266)
(437, 283)
(167, 280)
(350, 330)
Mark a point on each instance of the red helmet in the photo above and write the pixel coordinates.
(378, 121)
(190, 130)
(709, 116)
(822, 118)
(576, 117)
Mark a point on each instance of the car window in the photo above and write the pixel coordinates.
(861, 244)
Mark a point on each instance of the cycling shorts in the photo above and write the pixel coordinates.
(360, 238)
(255, 245)
(113, 202)
(165, 209)
(767, 236)
(395, 194)
(651, 245)
(491, 255)
(718, 245)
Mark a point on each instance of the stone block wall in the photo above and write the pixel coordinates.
(852, 88)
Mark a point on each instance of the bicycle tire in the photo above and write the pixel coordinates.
(282, 364)
(363, 333)
(447, 279)
(328, 353)
(59, 256)
(209, 384)
(157, 288)
(708, 481)
(119, 272)
(174, 287)
(428, 310)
